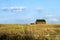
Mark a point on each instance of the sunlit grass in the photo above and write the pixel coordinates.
(34, 32)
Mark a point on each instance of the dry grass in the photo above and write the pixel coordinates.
(29, 32)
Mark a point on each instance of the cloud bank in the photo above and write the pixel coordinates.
(14, 9)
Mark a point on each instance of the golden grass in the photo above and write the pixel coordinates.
(36, 31)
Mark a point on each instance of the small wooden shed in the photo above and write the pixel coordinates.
(40, 21)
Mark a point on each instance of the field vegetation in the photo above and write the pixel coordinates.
(29, 32)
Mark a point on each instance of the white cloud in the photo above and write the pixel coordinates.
(14, 9)
(54, 19)
(51, 18)
(39, 9)
(49, 15)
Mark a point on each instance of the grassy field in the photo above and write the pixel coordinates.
(29, 32)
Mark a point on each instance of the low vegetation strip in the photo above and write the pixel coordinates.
(29, 32)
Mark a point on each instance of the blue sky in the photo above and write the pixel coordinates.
(27, 11)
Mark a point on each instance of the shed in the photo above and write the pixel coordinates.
(40, 21)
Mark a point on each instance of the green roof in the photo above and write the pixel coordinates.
(40, 20)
